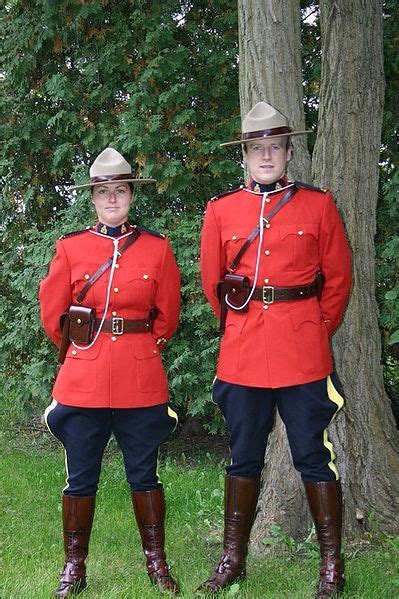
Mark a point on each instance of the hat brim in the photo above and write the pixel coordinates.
(87, 185)
(245, 141)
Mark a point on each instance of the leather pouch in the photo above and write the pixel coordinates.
(81, 324)
(236, 287)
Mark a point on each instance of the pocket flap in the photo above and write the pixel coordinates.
(299, 230)
(84, 354)
(305, 314)
(144, 347)
(144, 274)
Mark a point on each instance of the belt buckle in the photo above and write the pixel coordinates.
(117, 326)
(268, 294)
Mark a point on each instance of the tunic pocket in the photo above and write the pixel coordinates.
(311, 338)
(231, 342)
(151, 375)
(79, 371)
(142, 286)
(300, 243)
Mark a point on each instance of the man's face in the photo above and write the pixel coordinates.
(112, 202)
(266, 159)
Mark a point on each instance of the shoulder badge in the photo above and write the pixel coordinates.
(72, 233)
(227, 193)
(309, 187)
(150, 232)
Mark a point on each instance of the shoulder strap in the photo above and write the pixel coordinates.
(129, 241)
(289, 194)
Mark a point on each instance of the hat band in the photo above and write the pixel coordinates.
(267, 132)
(104, 178)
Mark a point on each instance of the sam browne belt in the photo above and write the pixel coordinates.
(269, 294)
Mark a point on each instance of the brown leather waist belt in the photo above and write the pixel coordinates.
(269, 294)
(119, 326)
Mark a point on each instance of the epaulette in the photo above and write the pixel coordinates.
(310, 187)
(72, 233)
(150, 232)
(227, 193)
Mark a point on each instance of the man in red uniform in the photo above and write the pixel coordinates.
(273, 244)
(114, 383)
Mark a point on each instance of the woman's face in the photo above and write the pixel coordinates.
(112, 202)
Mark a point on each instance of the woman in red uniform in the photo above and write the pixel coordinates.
(115, 381)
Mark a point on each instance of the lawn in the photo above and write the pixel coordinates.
(32, 475)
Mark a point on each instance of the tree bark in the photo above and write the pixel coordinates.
(270, 67)
(346, 161)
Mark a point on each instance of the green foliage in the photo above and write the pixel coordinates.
(158, 81)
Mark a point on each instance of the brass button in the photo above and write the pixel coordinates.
(234, 237)
(154, 351)
(87, 277)
(116, 289)
(117, 266)
(266, 281)
(113, 338)
(114, 313)
(267, 252)
(268, 226)
(268, 200)
(300, 232)
(265, 307)
(74, 352)
(79, 321)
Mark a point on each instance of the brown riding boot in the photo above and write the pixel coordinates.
(325, 503)
(149, 509)
(240, 499)
(77, 518)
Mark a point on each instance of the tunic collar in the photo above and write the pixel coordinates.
(267, 188)
(113, 231)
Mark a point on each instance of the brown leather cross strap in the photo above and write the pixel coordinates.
(129, 241)
(269, 294)
(289, 194)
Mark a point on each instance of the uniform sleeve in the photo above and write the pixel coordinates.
(213, 258)
(335, 262)
(167, 298)
(55, 294)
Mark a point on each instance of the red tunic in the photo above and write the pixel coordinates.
(122, 371)
(286, 343)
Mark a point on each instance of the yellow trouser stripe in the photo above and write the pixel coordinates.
(47, 411)
(336, 398)
(173, 414)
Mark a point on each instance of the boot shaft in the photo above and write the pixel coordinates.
(77, 518)
(240, 501)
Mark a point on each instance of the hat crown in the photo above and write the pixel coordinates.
(263, 116)
(110, 162)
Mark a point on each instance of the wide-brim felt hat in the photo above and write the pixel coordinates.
(111, 167)
(263, 121)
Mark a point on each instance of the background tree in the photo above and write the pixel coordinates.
(346, 161)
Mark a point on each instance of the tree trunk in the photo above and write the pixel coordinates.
(270, 70)
(270, 67)
(346, 161)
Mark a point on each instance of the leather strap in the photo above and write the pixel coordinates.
(289, 194)
(119, 326)
(129, 241)
(269, 294)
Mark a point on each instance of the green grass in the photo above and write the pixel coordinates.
(31, 477)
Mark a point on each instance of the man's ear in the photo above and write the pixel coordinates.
(289, 154)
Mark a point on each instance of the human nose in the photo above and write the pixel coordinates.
(111, 196)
